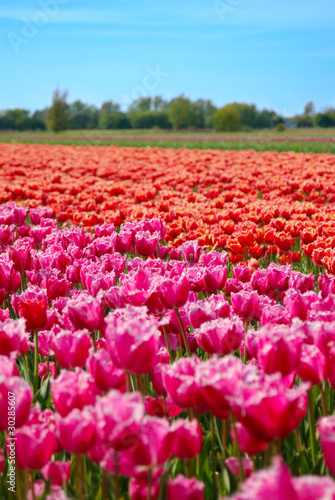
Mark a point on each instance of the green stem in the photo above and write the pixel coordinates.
(323, 401)
(224, 438)
(149, 484)
(239, 454)
(116, 475)
(188, 350)
(36, 362)
(213, 454)
(311, 420)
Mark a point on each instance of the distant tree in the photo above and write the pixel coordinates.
(159, 104)
(15, 119)
(202, 112)
(150, 119)
(116, 120)
(140, 104)
(38, 119)
(82, 116)
(266, 119)
(180, 112)
(58, 113)
(109, 107)
(227, 119)
(309, 109)
(326, 119)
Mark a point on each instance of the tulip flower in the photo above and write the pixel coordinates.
(77, 432)
(133, 343)
(72, 390)
(35, 444)
(71, 348)
(326, 428)
(105, 374)
(58, 472)
(23, 395)
(220, 336)
(32, 306)
(246, 441)
(268, 409)
(186, 439)
(86, 312)
(186, 488)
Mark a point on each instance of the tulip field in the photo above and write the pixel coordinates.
(167, 324)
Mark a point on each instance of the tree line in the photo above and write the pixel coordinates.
(157, 112)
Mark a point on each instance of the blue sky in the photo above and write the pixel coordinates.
(276, 54)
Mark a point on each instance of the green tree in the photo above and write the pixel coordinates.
(82, 115)
(180, 112)
(16, 119)
(159, 104)
(227, 119)
(58, 113)
(140, 104)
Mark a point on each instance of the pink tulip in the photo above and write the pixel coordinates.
(219, 378)
(55, 492)
(220, 336)
(275, 315)
(245, 303)
(35, 444)
(313, 366)
(43, 369)
(260, 281)
(146, 243)
(20, 253)
(186, 439)
(139, 486)
(105, 373)
(86, 312)
(242, 273)
(118, 419)
(233, 465)
(123, 241)
(73, 390)
(58, 472)
(301, 282)
(13, 337)
(246, 441)
(268, 409)
(36, 214)
(2, 461)
(215, 278)
(133, 343)
(275, 484)
(314, 488)
(77, 432)
(160, 407)
(23, 395)
(326, 284)
(278, 350)
(214, 258)
(71, 348)
(278, 276)
(152, 443)
(174, 292)
(191, 251)
(183, 386)
(298, 304)
(326, 428)
(185, 488)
